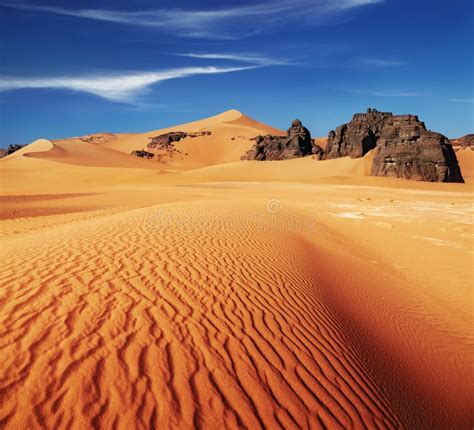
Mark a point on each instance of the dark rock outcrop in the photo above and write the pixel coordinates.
(407, 150)
(164, 140)
(10, 150)
(297, 143)
(299, 138)
(143, 154)
(404, 148)
(358, 137)
(318, 152)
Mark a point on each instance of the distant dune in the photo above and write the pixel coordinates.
(201, 291)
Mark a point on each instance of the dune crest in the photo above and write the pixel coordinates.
(38, 146)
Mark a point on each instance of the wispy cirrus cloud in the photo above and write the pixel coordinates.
(396, 93)
(455, 100)
(221, 23)
(379, 62)
(118, 88)
(257, 59)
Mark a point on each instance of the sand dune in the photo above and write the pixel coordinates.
(229, 312)
(149, 326)
(206, 292)
(36, 147)
(90, 155)
(230, 137)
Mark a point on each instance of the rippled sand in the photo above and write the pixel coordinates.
(218, 298)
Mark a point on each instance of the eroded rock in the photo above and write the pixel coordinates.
(297, 143)
(143, 154)
(357, 137)
(407, 150)
(163, 141)
(404, 148)
(465, 142)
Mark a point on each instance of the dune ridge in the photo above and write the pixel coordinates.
(36, 147)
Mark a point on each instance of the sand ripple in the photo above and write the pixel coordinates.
(141, 320)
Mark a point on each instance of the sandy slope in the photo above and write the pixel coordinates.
(225, 294)
(231, 134)
(466, 162)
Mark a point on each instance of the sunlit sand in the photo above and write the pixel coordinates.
(205, 291)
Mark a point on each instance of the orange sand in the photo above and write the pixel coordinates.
(206, 292)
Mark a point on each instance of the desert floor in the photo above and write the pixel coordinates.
(206, 292)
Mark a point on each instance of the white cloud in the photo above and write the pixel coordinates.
(120, 88)
(232, 22)
(244, 58)
(383, 63)
(461, 100)
(398, 93)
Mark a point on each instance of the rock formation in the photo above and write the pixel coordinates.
(407, 150)
(10, 150)
(465, 142)
(404, 148)
(199, 133)
(164, 140)
(318, 152)
(98, 139)
(358, 137)
(297, 143)
(143, 154)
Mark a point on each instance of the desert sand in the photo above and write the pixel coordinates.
(207, 292)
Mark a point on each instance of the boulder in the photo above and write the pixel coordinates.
(143, 154)
(297, 143)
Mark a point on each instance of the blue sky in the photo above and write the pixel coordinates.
(76, 67)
